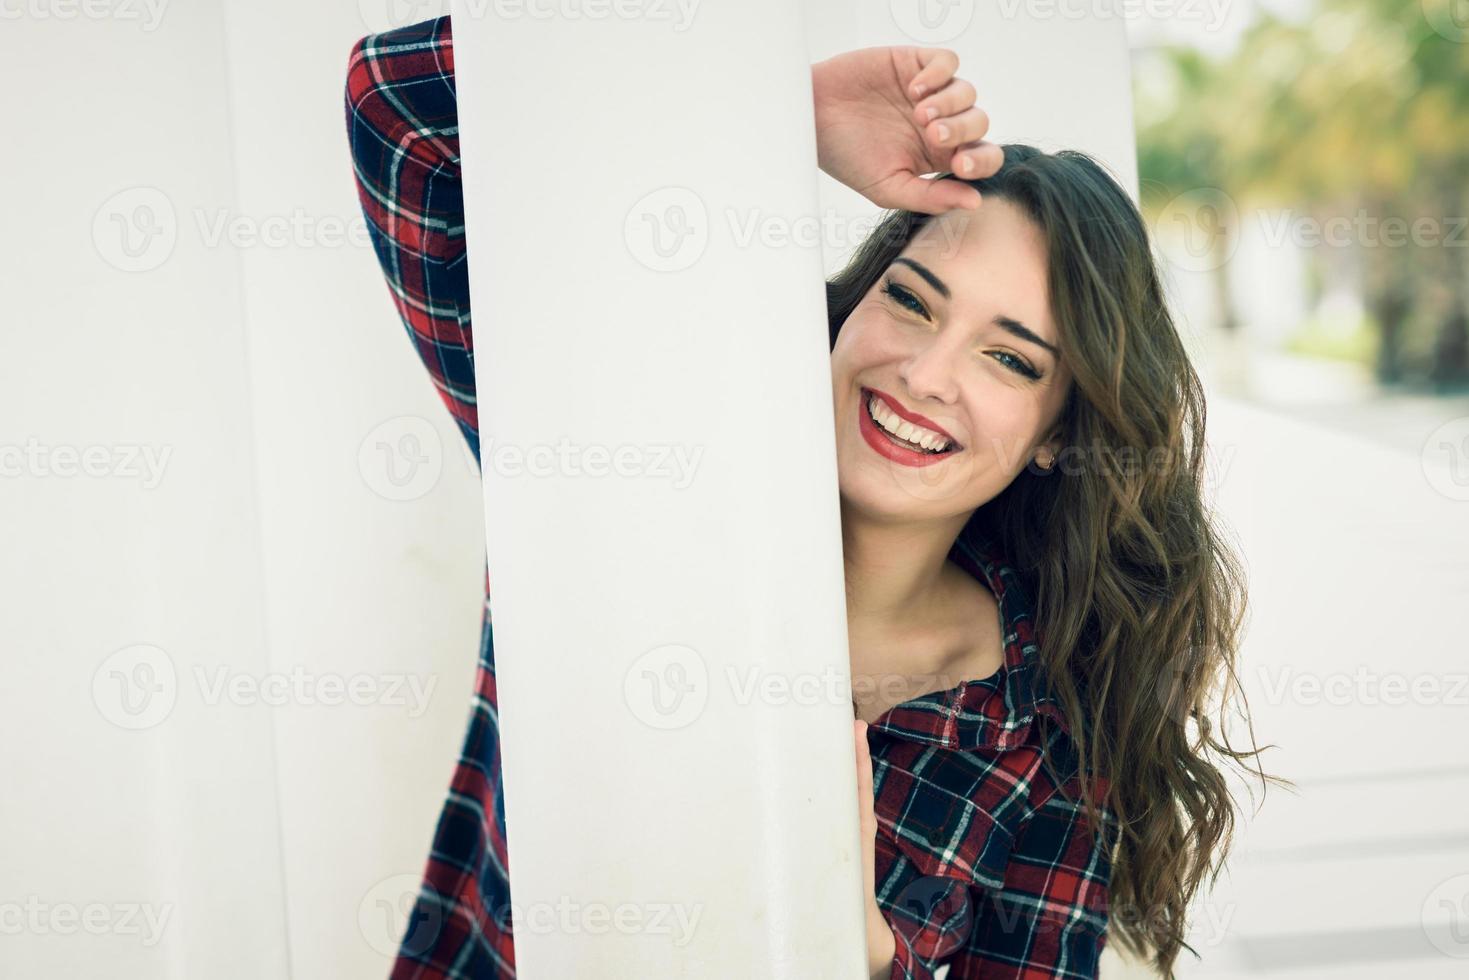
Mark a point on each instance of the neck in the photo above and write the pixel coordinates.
(898, 577)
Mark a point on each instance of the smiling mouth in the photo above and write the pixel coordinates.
(882, 426)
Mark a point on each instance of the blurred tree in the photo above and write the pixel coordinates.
(1360, 115)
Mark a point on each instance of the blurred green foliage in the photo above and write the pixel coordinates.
(1361, 109)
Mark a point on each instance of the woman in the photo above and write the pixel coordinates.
(1038, 605)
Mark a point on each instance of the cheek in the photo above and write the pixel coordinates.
(863, 341)
(1006, 425)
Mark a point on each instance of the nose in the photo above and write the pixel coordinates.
(929, 373)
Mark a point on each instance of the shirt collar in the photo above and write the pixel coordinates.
(994, 713)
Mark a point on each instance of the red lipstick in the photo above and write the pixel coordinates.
(884, 444)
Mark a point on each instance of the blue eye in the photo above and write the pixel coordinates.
(907, 300)
(1017, 364)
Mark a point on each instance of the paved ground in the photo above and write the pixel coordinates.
(1355, 526)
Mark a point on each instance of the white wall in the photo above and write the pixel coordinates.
(265, 548)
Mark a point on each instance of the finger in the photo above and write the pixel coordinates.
(950, 100)
(938, 66)
(967, 127)
(930, 196)
(978, 159)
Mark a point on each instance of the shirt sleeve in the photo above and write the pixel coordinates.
(403, 129)
(931, 922)
(1050, 918)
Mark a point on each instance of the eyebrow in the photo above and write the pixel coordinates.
(1004, 322)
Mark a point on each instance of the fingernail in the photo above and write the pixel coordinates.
(930, 112)
(943, 132)
(966, 164)
(918, 91)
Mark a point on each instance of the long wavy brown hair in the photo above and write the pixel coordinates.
(1139, 598)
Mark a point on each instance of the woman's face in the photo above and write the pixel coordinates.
(958, 333)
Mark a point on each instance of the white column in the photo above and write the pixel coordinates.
(670, 632)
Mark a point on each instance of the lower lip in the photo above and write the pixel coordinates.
(880, 442)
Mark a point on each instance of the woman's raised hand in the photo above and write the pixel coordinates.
(884, 116)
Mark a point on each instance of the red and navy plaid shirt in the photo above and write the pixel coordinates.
(982, 863)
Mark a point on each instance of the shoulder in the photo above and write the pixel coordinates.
(429, 38)
(409, 70)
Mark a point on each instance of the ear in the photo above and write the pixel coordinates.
(1047, 452)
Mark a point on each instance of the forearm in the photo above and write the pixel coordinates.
(881, 946)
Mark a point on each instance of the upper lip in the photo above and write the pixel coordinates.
(913, 417)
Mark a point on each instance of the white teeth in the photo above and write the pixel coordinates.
(904, 429)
